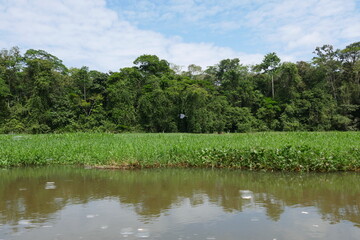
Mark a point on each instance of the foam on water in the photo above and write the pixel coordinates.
(24, 222)
(246, 194)
(143, 233)
(50, 185)
(127, 231)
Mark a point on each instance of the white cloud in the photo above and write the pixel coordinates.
(201, 53)
(289, 27)
(294, 25)
(85, 32)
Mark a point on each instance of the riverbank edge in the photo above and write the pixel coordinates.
(288, 158)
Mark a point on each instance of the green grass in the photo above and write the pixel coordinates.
(295, 151)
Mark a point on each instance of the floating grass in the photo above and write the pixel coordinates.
(295, 151)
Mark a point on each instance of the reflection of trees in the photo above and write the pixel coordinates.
(274, 207)
(152, 192)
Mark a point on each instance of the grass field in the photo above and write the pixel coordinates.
(291, 151)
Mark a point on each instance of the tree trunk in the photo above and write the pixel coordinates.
(84, 93)
(272, 86)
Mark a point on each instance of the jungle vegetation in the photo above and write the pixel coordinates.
(39, 94)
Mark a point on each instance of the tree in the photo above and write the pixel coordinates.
(10, 64)
(269, 65)
(240, 119)
(350, 82)
(350, 57)
(196, 100)
(351, 54)
(152, 65)
(194, 72)
(157, 112)
(328, 60)
(82, 80)
(43, 78)
(229, 73)
(289, 82)
(39, 94)
(124, 90)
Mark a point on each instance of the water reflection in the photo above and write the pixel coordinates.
(36, 202)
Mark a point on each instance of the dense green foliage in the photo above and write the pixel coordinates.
(296, 151)
(38, 94)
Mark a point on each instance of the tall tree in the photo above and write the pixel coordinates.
(152, 65)
(269, 65)
(289, 82)
(43, 75)
(328, 59)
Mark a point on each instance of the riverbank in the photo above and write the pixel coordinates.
(291, 151)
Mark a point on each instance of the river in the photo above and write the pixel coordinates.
(77, 203)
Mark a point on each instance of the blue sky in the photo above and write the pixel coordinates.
(109, 34)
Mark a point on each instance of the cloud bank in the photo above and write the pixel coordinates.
(106, 35)
(86, 32)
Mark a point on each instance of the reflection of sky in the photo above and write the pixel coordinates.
(104, 219)
(306, 223)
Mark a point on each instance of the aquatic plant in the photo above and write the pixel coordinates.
(295, 151)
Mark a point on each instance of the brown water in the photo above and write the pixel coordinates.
(72, 203)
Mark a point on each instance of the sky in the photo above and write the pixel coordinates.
(107, 35)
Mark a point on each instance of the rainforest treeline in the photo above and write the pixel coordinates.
(39, 94)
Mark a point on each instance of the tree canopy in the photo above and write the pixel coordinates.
(39, 94)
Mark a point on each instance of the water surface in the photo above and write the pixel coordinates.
(74, 203)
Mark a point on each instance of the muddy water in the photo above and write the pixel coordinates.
(73, 203)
